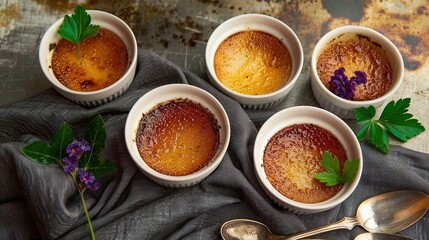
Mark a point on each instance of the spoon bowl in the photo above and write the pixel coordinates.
(245, 229)
(381, 236)
(393, 211)
(382, 214)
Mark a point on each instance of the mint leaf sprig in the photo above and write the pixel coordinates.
(333, 175)
(78, 27)
(394, 119)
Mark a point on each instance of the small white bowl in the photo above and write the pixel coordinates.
(323, 119)
(342, 107)
(163, 94)
(99, 97)
(267, 24)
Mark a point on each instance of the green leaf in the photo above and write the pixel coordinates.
(82, 20)
(330, 163)
(332, 176)
(88, 32)
(96, 133)
(394, 119)
(398, 122)
(92, 161)
(378, 137)
(330, 179)
(96, 137)
(62, 137)
(78, 27)
(350, 169)
(105, 167)
(88, 160)
(363, 114)
(363, 131)
(406, 130)
(39, 152)
(69, 30)
(395, 110)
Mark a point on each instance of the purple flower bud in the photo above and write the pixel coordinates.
(361, 77)
(342, 86)
(77, 148)
(70, 163)
(88, 179)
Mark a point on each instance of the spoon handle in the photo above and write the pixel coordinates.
(345, 223)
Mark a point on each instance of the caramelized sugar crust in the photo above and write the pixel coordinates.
(293, 155)
(253, 62)
(178, 137)
(357, 52)
(103, 60)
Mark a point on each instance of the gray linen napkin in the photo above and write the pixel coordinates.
(40, 201)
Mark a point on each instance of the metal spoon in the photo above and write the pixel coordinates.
(245, 229)
(381, 236)
(385, 213)
(253, 230)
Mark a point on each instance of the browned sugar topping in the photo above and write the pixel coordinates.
(293, 155)
(178, 137)
(357, 52)
(103, 60)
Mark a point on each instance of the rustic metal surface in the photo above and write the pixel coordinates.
(178, 30)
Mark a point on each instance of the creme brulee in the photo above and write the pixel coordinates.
(178, 137)
(103, 60)
(357, 52)
(253, 63)
(292, 157)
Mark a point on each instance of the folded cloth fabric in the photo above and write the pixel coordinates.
(40, 201)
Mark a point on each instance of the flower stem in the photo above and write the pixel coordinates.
(87, 215)
(86, 210)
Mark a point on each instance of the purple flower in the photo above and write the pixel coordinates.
(74, 151)
(77, 148)
(88, 179)
(361, 77)
(70, 163)
(342, 86)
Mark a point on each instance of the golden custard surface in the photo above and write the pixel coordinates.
(292, 157)
(103, 60)
(178, 137)
(253, 63)
(357, 52)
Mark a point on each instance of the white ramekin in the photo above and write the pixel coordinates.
(321, 118)
(99, 97)
(267, 24)
(342, 107)
(163, 94)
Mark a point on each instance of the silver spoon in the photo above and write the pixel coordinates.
(381, 236)
(385, 213)
(254, 230)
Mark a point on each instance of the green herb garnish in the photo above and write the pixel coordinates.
(78, 27)
(394, 119)
(333, 175)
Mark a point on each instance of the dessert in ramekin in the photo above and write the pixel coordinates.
(109, 24)
(177, 134)
(255, 59)
(354, 50)
(288, 151)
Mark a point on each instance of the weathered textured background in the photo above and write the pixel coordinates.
(179, 29)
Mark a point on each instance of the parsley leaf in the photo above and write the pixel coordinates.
(333, 175)
(77, 27)
(349, 170)
(394, 119)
